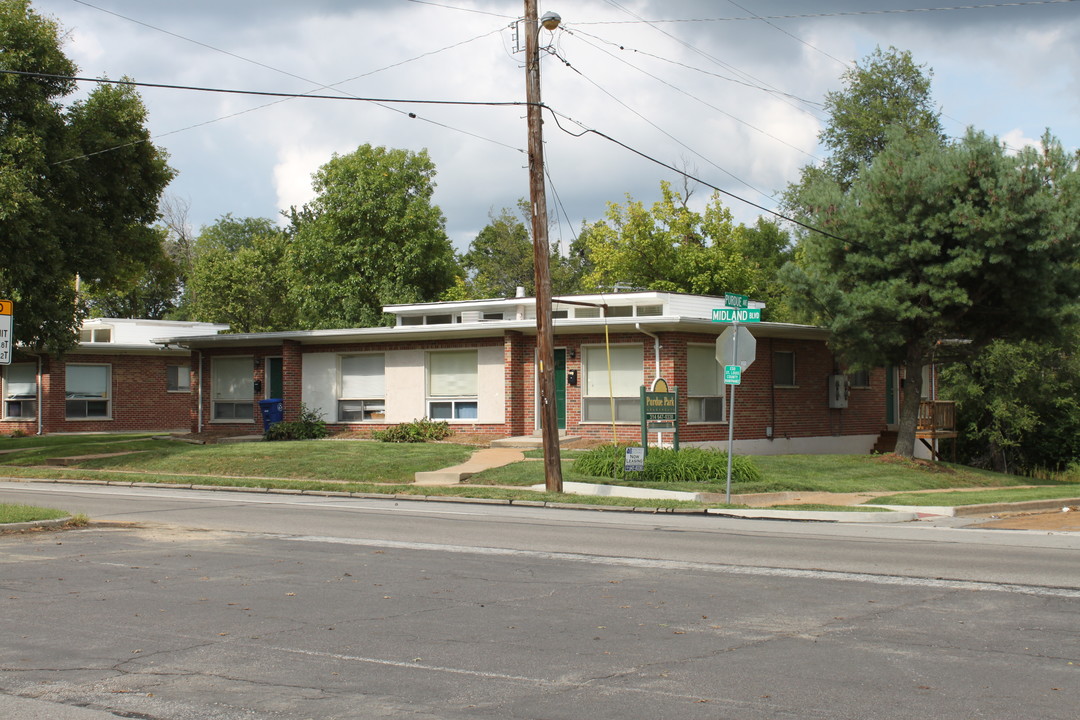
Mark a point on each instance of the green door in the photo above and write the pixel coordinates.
(275, 385)
(560, 387)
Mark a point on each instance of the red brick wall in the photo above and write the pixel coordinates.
(139, 399)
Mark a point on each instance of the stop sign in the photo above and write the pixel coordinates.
(725, 347)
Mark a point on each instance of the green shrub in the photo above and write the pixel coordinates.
(310, 426)
(417, 431)
(666, 465)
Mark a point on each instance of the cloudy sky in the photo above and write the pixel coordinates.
(730, 90)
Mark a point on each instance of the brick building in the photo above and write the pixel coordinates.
(115, 380)
(472, 363)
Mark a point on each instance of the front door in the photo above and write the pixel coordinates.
(275, 385)
(560, 387)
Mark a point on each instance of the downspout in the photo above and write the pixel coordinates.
(199, 402)
(656, 376)
(40, 405)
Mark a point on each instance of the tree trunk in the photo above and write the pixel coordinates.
(909, 404)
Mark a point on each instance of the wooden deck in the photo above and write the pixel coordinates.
(937, 421)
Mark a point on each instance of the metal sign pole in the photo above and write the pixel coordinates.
(731, 418)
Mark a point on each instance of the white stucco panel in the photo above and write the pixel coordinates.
(405, 387)
(491, 381)
(319, 390)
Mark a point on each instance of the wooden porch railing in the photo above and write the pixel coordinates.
(937, 416)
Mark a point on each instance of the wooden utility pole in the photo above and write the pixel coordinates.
(549, 416)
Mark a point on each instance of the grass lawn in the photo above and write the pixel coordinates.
(980, 497)
(386, 468)
(28, 513)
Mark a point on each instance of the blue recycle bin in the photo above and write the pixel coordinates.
(273, 411)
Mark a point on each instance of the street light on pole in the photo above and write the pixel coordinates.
(549, 418)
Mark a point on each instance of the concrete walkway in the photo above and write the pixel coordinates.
(481, 460)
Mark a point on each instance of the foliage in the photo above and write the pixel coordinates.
(370, 238)
(1018, 405)
(667, 465)
(309, 426)
(417, 431)
(937, 243)
(500, 259)
(887, 90)
(79, 185)
(239, 276)
(152, 293)
(670, 247)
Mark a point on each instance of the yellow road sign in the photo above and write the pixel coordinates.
(6, 307)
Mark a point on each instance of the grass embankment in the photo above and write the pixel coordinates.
(371, 467)
(28, 513)
(983, 497)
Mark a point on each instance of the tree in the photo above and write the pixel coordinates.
(152, 294)
(370, 238)
(931, 243)
(669, 247)
(79, 186)
(1018, 404)
(500, 259)
(887, 90)
(240, 275)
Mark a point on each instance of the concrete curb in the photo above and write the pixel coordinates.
(818, 515)
(56, 522)
(986, 508)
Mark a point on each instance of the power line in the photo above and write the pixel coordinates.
(591, 131)
(846, 13)
(790, 35)
(462, 9)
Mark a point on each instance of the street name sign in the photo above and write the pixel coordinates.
(734, 300)
(743, 315)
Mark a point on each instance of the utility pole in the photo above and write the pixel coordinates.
(549, 417)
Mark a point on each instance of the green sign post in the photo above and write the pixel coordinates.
(737, 311)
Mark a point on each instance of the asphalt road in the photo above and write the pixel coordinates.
(185, 604)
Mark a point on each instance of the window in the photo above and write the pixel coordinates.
(87, 391)
(233, 384)
(650, 310)
(619, 311)
(784, 368)
(704, 385)
(20, 391)
(587, 312)
(412, 320)
(489, 316)
(95, 335)
(859, 378)
(452, 385)
(559, 314)
(626, 374)
(362, 388)
(178, 378)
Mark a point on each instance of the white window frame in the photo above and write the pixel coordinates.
(443, 403)
(793, 369)
(367, 406)
(704, 396)
(233, 401)
(595, 396)
(21, 400)
(104, 399)
(182, 382)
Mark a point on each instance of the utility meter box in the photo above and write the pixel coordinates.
(839, 389)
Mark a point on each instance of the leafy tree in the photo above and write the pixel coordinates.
(79, 186)
(669, 247)
(370, 238)
(152, 294)
(1018, 404)
(937, 242)
(886, 90)
(240, 276)
(500, 259)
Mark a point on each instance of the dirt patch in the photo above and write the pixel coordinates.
(929, 466)
(1052, 520)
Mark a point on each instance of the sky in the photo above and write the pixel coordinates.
(729, 91)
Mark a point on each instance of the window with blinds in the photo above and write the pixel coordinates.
(87, 391)
(452, 385)
(20, 391)
(622, 383)
(704, 385)
(233, 384)
(362, 388)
